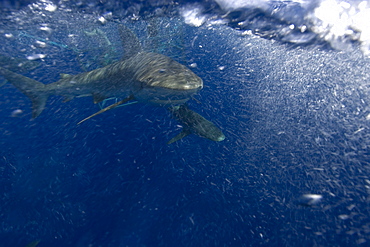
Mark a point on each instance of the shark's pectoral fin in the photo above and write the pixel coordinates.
(131, 97)
(98, 97)
(184, 133)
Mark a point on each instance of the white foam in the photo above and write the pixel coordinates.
(230, 5)
(341, 22)
(193, 16)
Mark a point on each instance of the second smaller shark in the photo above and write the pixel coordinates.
(194, 123)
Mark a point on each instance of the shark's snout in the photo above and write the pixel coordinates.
(166, 81)
(220, 138)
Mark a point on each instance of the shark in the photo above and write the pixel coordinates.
(146, 77)
(194, 123)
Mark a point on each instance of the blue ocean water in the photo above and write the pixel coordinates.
(287, 84)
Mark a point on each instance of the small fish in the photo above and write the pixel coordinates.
(309, 200)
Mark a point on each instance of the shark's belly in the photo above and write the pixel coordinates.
(163, 96)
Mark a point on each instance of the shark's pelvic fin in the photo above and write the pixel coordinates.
(184, 133)
(131, 97)
(130, 42)
(33, 89)
(98, 97)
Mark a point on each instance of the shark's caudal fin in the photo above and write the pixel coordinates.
(33, 89)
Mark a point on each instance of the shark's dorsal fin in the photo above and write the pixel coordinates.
(184, 133)
(130, 42)
(131, 97)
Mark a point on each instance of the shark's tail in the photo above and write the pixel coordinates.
(33, 89)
